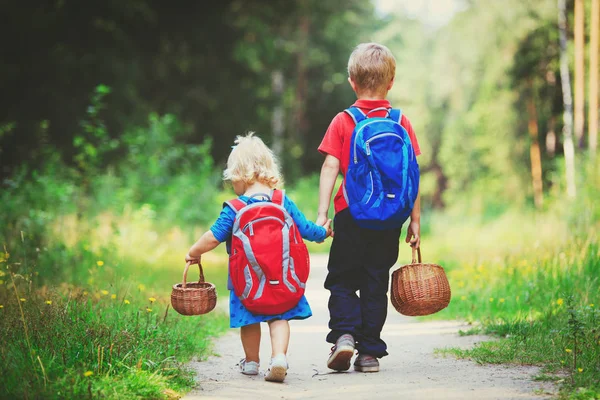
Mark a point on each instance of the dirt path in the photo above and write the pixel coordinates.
(411, 371)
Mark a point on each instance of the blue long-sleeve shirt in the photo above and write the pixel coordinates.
(223, 226)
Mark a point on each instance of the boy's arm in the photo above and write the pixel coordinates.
(329, 173)
(206, 243)
(413, 235)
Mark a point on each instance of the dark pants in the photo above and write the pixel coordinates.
(360, 260)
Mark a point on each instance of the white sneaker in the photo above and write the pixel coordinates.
(277, 369)
(248, 367)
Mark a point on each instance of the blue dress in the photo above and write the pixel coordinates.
(222, 229)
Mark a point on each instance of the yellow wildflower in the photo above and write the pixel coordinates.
(99, 263)
(104, 292)
(491, 299)
(463, 297)
(501, 300)
(126, 301)
(22, 299)
(580, 369)
(559, 302)
(568, 350)
(591, 304)
(1, 306)
(88, 373)
(152, 299)
(141, 287)
(49, 302)
(113, 296)
(149, 309)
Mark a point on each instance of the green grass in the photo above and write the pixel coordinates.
(110, 335)
(532, 280)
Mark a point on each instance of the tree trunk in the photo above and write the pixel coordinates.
(579, 71)
(594, 49)
(300, 124)
(569, 149)
(551, 137)
(534, 150)
(278, 115)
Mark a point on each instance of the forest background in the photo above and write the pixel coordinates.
(116, 120)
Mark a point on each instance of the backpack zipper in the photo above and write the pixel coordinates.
(249, 224)
(367, 143)
(363, 127)
(372, 187)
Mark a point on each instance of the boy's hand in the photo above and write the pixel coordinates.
(413, 235)
(321, 219)
(327, 227)
(192, 260)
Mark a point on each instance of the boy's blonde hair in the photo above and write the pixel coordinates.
(252, 161)
(371, 66)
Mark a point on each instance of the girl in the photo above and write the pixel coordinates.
(253, 171)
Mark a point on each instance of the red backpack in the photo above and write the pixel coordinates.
(268, 262)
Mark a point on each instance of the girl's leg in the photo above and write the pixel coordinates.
(280, 336)
(250, 335)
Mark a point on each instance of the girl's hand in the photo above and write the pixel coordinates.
(192, 260)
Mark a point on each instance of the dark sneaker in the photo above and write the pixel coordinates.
(366, 363)
(341, 353)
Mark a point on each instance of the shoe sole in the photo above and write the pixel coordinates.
(366, 369)
(250, 372)
(340, 359)
(276, 374)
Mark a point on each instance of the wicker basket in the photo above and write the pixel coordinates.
(419, 289)
(194, 298)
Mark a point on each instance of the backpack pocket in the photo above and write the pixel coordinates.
(299, 264)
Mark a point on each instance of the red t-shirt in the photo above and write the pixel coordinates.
(336, 141)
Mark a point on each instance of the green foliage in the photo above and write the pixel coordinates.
(128, 344)
(177, 180)
(94, 142)
(541, 297)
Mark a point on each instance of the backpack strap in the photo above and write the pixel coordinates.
(386, 109)
(277, 196)
(396, 115)
(356, 114)
(235, 204)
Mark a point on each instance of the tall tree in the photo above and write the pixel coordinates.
(579, 71)
(534, 149)
(569, 149)
(593, 102)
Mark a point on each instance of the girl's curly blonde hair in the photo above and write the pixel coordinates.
(252, 161)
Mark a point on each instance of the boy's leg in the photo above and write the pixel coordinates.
(344, 277)
(383, 253)
(250, 335)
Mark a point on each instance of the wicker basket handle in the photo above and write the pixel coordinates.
(185, 271)
(414, 258)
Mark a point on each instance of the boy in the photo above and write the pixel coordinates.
(360, 258)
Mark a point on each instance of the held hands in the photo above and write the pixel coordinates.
(413, 235)
(325, 222)
(327, 227)
(192, 260)
(321, 219)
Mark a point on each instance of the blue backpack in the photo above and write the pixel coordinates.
(382, 181)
